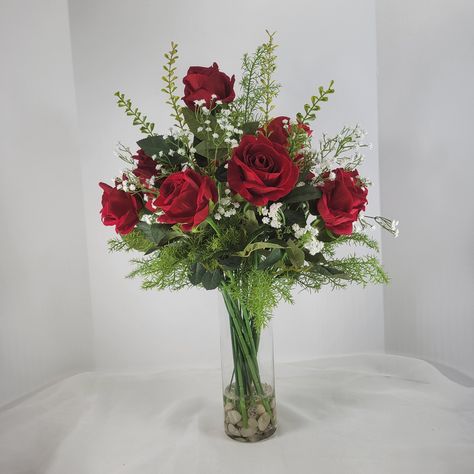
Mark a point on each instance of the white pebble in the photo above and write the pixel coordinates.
(263, 421)
(234, 416)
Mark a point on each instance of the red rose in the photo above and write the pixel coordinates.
(119, 209)
(202, 83)
(184, 198)
(261, 171)
(277, 130)
(146, 167)
(342, 200)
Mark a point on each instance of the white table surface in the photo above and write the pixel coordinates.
(362, 414)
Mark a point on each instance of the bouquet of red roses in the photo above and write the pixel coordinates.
(237, 199)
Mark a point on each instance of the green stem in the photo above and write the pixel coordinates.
(244, 339)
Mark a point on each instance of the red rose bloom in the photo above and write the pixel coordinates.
(146, 167)
(261, 171)
(119, 209)
(184, 198)
(276, 131)
(342, 200)
(201, 83)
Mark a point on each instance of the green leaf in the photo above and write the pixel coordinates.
(231, 262)
(258, 246)
(211, 280)
(308, 192)
(154, 144)
(250, 223)
(295, 216)
(221, 173)
(155, 232)
(331, 272)
(193, 123)
(250, 128)
(273, 257)
(295, 254)
(196, 273)
(209, 150)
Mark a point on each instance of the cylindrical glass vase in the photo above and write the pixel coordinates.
(248, 379)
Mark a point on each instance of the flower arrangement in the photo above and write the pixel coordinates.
(237, 199)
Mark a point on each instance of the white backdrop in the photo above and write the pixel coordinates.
(45, 320)
(426, 100)
(120, 46)
(52, 326)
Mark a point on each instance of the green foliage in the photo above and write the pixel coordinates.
(258, 88)
(313, 107)
(260, 292)
(256, 255)
(352, 269)
(165, 268)
(138, 119)
(356, 239)
(135, 240)
(170, 84)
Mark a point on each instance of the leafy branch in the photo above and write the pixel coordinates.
(258, 88)
(170, 84)
(269, 85)
(313, 107)
(138, 119)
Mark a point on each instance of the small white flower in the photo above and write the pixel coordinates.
(332, 176)
(218, 102)
(200, 129)
(192, 150)
(207, 122)
(266, 220)
(217, 217)
(208, 129)
(227, 191)
(171, 152)
(215, 135)
(181, 151)
(213, 96)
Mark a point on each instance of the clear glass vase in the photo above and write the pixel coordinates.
(248, 379)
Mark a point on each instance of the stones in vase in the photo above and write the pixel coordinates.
(260, 409)
(263, 421)
(228, 406)
(234, 416)
(233, 430)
